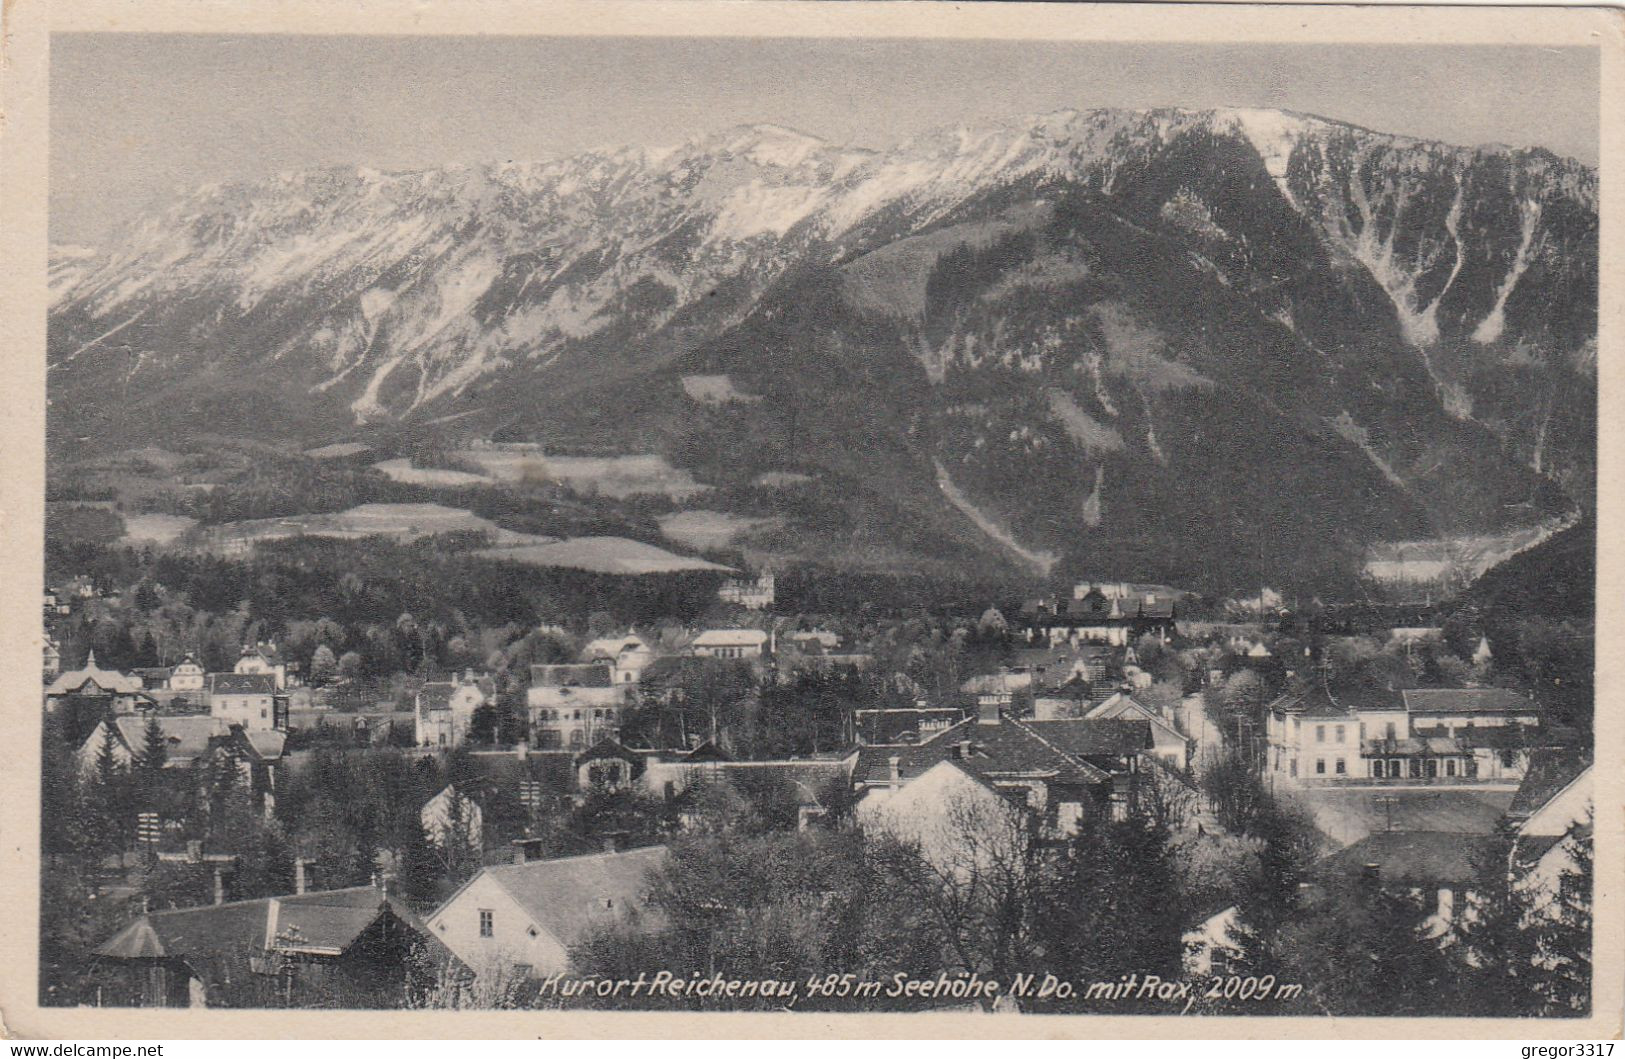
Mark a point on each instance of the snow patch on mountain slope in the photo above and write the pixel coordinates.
(453, 296)
(1273, 133)
(366, 407)
(1377, 255)
(1091, 435)
(1360, 438)
(109, 333)
(757, 209)
(1428, 319)
(1042, 562)
(1092, 504)
(1489, 329)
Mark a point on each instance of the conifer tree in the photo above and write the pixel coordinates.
(107, 807)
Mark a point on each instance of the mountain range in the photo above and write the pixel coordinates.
(1202, 347)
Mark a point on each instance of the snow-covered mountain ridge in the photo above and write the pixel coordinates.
(1067, 287)
(406, 265)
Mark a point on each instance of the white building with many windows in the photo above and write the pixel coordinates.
(730, 643)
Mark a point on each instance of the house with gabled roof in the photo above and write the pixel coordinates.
(1438, 868)
(1550, 814)
(958, 819)
(187, 675)
(187, 739)
(1113, 614)
(1310, 736)
(1167, 742)
(263, 658)
(730, 643)
(248, 699)
(627, 656)
(443, 710)
(573, 706)
(121, 691)
(1063, 770)
(351, 948)
(523, 919)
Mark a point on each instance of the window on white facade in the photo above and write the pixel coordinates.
(487, 923)
(1320, 733)
(1339, 733)
(1320, 766)
(1342, 767)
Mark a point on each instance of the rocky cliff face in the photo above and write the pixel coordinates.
(1119, 306)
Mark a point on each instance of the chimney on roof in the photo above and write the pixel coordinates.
(526, 849)
(987, 712)
(219, 886)
(1371, 873)
(521, 750)
(194, 850)
(894, 771)
(300, 880)
(614, 841)
(962, 751)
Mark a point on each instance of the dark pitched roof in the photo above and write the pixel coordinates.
(269, 652)
(1550, 770)
(1466, 700)
(1317, 701)
(577, 675)
(1498, 736)
(1418, 858)
(213, 939)
(262, 744)
(1095, 737)
(609, 748)
(707, 751)
(241, 684)
(186, 735)
(1009, 747)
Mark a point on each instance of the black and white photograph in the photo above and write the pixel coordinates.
(817, 524)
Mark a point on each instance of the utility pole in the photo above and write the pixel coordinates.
(1387, 802)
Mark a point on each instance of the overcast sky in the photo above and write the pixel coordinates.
(137, 119)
